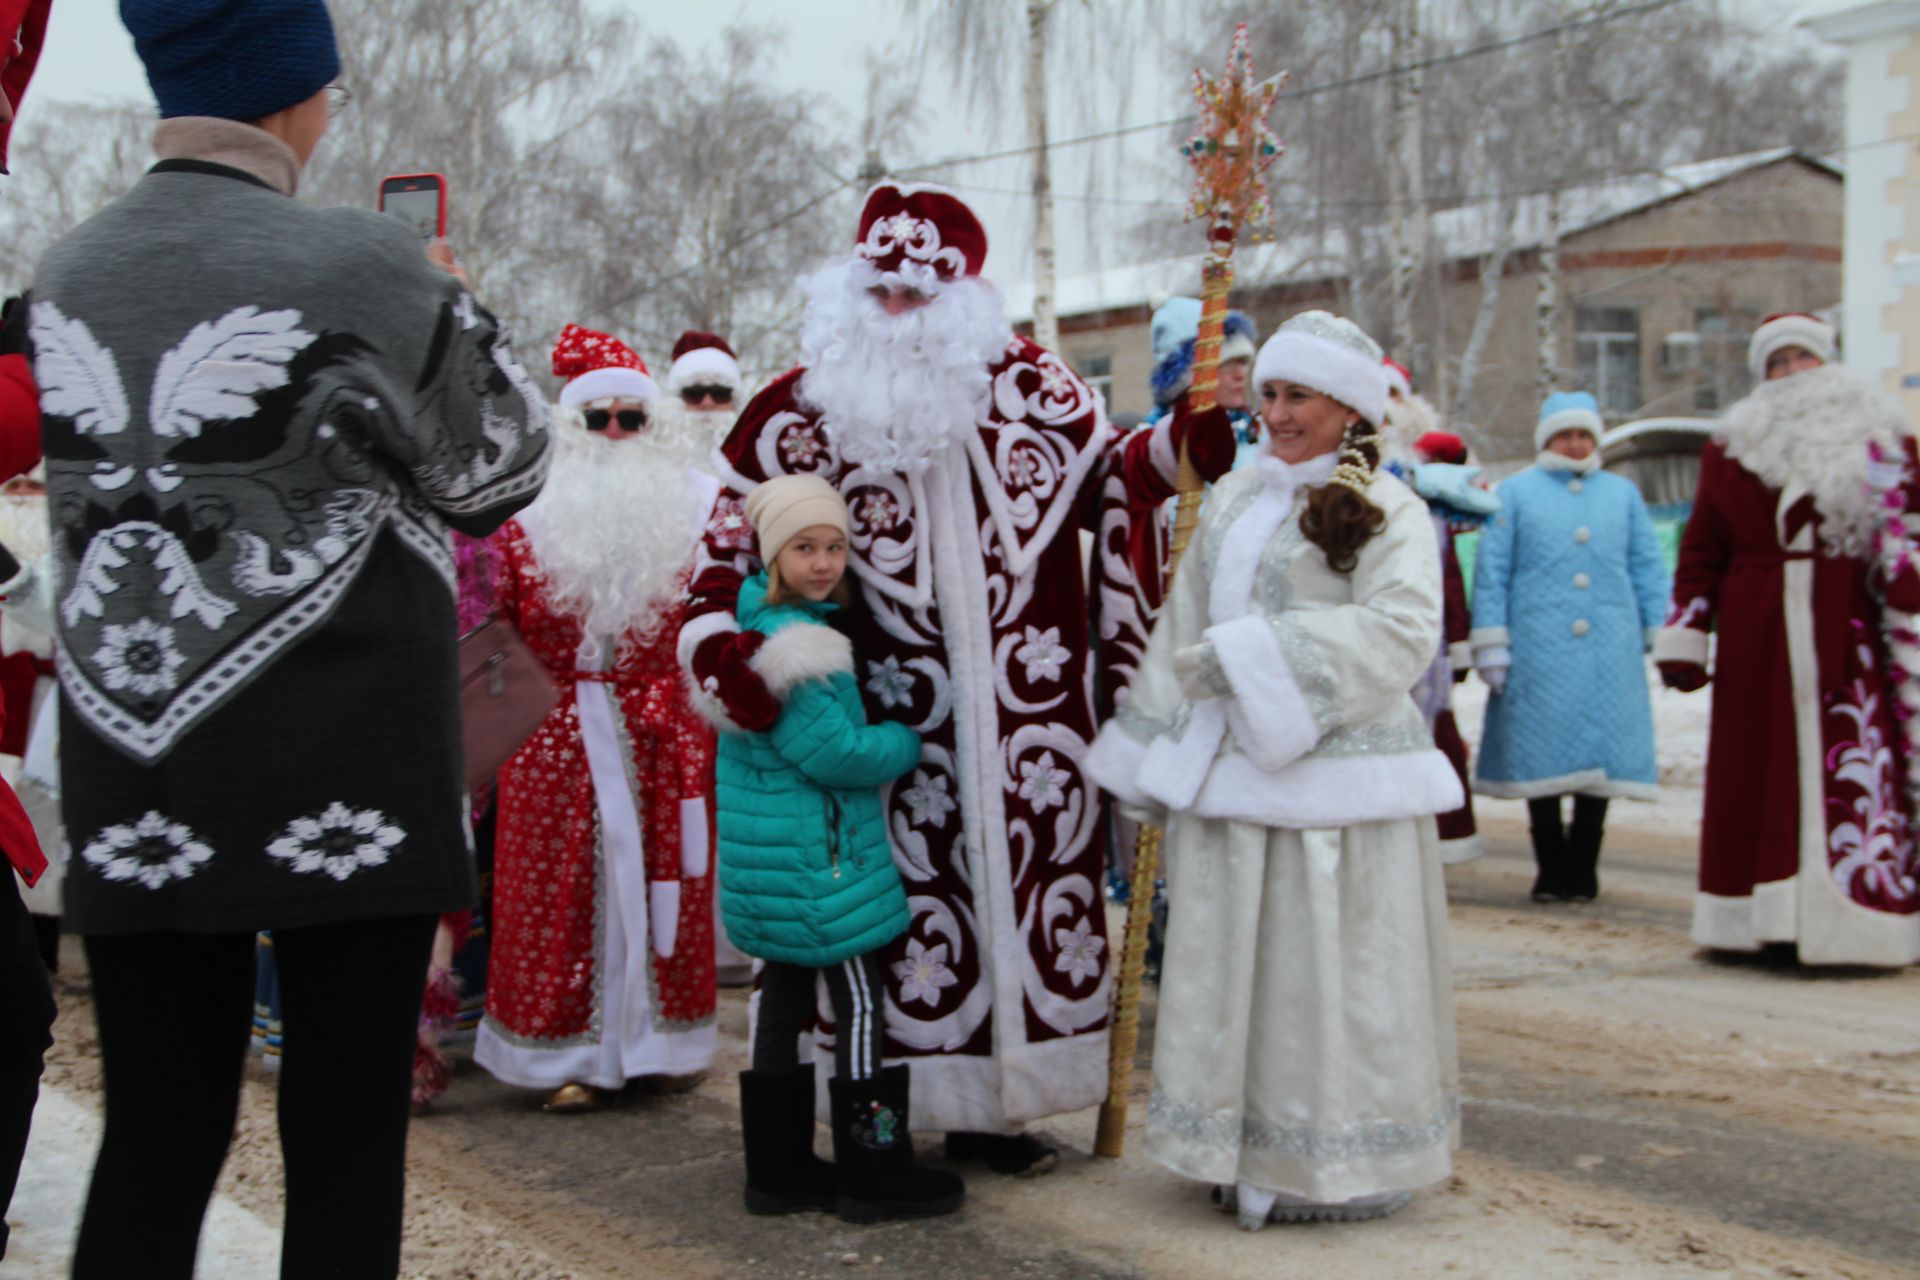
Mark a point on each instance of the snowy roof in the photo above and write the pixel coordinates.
(1468, 230)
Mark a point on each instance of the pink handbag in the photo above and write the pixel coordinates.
(505, 692)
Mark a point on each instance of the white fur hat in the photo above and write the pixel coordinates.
(1330, 354)
(1568, 411)
(1789, 329)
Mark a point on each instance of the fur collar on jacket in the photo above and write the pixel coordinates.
(1813, 429)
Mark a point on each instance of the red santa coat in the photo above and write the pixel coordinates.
(1807, 835)
(975, 632)
(621, 747)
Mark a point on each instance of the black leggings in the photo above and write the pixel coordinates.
(26, 1029)
(857, 989)
(175, 1014)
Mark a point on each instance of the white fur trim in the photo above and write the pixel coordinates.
(1586, 782)
(1789, 331)
(1813, 430)
(1460, 655)
(1236, 346)
(1489, 638)
(1165, 458)
(1115, 763)
(1272, 720)
(1463, 849)
(1350, 376)
(801, 652)
(1397, 381)
(663, 901)
(704, 627)
(1680, 644)
(1746, 923)
(708, 706)
(703, 366)
(613, 382)
(1568, 420)
(1331, 791)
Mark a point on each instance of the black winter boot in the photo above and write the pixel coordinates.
(873, 1154)
(1583, 848)
(776, 1126)
(1549, 849)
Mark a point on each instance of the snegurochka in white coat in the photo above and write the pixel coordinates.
(1305, 1053)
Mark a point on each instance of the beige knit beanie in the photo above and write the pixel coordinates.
(783, 506)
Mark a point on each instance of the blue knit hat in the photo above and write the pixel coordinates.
(235, 59)
(1176, 331)
(1568, 411)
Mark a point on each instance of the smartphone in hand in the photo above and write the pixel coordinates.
(419, 200)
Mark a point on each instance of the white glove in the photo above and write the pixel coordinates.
(1141, 814)
(1492, 663)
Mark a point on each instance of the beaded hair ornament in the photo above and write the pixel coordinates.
(1354, 471)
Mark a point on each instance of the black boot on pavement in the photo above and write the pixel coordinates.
(1020, 1154)
(1549, 849)
(776, 1126)
(873, 1154)
(1583, 848)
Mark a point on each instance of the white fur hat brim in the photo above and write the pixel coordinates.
(616, 382)
(1568, 420)
(1814, 335)
(1352, 377)
(701, 367)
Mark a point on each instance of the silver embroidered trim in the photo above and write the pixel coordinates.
(1237, 1131)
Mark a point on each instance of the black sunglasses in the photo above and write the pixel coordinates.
(719, 395)
(629, 419)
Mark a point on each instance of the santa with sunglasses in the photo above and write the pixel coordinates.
(970, 459)
(602, 968)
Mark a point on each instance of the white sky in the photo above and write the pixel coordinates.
(89, 57)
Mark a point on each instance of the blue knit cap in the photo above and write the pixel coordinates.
(1568, 411)
(235, 59)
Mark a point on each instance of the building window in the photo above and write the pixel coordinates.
(1723, 376)
(1097, 372)
(1606, 341)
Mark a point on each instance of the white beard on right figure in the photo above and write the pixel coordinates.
(704, 429)
(895, 391)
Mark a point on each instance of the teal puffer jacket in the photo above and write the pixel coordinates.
(806, 873)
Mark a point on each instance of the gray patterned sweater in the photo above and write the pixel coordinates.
(260, 417)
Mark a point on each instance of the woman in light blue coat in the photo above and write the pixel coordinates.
(1568, 590)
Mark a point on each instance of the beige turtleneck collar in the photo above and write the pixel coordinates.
(229, 142)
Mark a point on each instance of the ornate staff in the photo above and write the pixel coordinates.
(1230, 152)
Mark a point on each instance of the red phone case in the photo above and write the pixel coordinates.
(418, 180)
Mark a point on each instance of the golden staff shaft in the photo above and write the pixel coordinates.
(1124, 1031)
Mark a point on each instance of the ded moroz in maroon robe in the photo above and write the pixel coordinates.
(1808, 833)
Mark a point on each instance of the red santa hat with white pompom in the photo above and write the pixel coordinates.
(702, 359)
(599, 366)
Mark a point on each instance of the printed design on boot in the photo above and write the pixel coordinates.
(879, 1129)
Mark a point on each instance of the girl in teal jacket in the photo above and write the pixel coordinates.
(808, 885)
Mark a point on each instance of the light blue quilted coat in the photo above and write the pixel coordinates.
(1570, 570)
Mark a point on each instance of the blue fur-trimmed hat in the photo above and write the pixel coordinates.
(1176, 331)
(1568, 411)
(234, 59)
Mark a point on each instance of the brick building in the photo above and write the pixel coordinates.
(1662, 275)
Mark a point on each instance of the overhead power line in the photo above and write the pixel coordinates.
(1309, 91)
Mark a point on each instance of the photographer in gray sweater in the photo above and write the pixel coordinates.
(259, 420)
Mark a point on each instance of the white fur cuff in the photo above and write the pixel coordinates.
(1114, 763)
(663, 902)
(1272, 720)
(801, 652)
(1460, 655)
(1680, 644)
(1489, 638)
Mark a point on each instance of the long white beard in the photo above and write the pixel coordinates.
(705, 430)
(1407, 420)
(895, 391)
(612, 531)
(1813, 428)
(23, 526)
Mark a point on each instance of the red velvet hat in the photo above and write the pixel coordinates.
(702, 359)
(1442, 446)
(599, 366)
(923, 224)
(28, 18)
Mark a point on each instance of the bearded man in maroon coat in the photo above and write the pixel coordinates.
(971, 459)
(1801, 556)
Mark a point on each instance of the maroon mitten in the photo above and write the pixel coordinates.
(1211, 432)
(1684, 676)
(723, 666)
